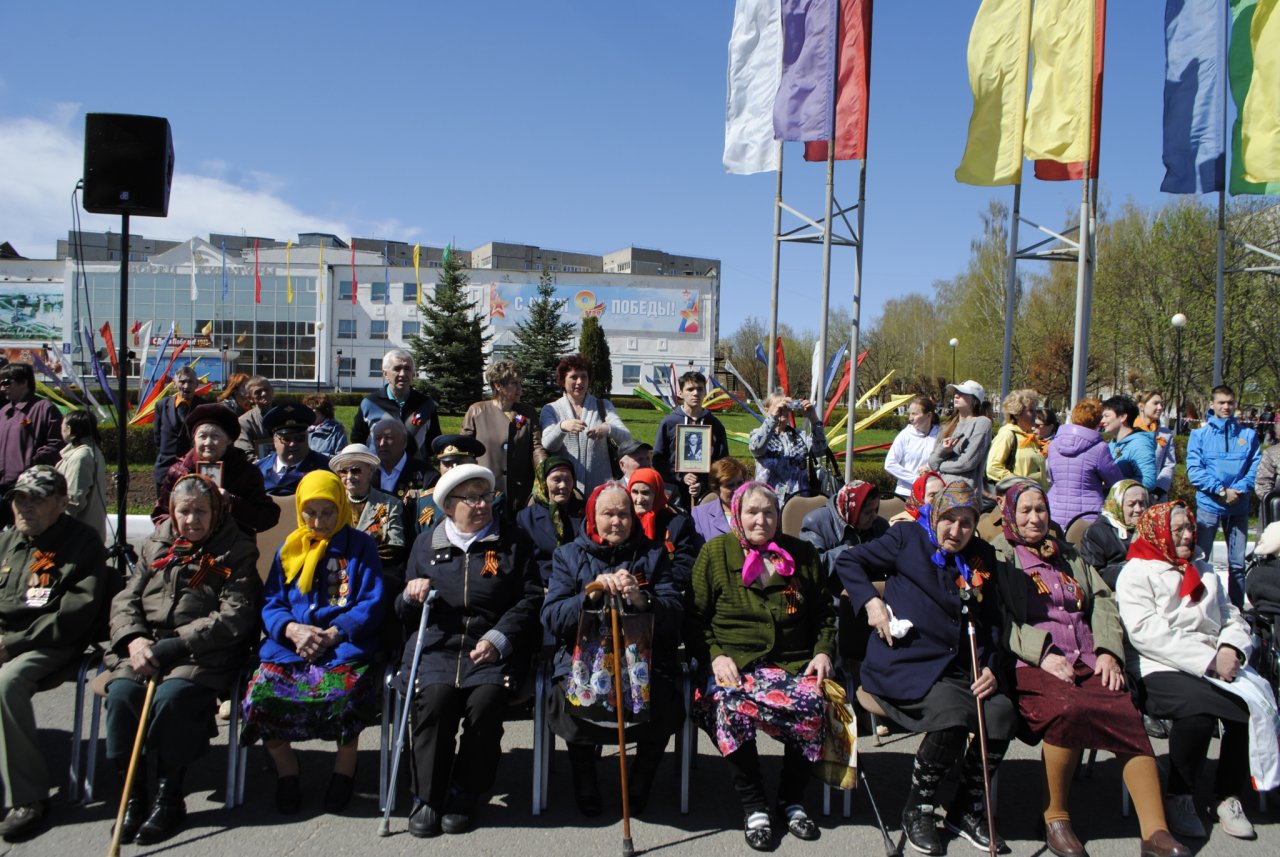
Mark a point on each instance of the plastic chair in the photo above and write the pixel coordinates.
(269, 541)
(1079, 524)
(890, 506)
(796, 508)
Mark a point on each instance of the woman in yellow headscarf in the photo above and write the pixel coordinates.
(322, 608)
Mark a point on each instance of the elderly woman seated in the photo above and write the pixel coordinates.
(927, 486)
(614, 552)
(1105, 545)
(213, 429)
(375, 513)
(554, 514)
(918, 665)
(711, 518)
(664, 524)
(1192, 646)
(186, 620)
(1064, 629)
(762, 625)
(475, 651)
(323, 603)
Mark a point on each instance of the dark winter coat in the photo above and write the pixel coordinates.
(247, 497)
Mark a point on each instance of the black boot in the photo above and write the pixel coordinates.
(967, 816)
(167, 814)
(919, 823)
(137, 807)
(642, 772)
(586, 789)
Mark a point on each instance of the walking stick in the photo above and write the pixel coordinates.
(114, 849)
(615, 606)
(982, 739)
(384, 826)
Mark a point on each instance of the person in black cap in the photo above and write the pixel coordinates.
(293, 458)
(213, 429)
(449, 450)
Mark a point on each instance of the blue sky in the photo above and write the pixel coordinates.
(571, 125)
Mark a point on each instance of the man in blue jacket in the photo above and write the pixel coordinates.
(1222, 461)
(1134, 451)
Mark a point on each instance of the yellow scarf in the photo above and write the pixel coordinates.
(302, 549)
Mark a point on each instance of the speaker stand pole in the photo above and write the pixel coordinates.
(121, 552)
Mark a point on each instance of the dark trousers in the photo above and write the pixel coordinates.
(179, 724)
(1189, 744)
(748, 780)
(471, 764)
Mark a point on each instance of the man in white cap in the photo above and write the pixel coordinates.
(376, 513)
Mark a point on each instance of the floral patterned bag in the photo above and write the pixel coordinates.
(590, 685)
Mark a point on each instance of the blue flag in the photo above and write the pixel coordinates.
(760, 354)
(1195, 63)
(98, 371)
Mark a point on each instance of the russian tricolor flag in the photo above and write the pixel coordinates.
(795, 67)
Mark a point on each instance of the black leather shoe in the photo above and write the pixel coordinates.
(921, 828)
(799, 824)
(758, 831)
(136, 810)
(338, 795)
(456, 822)
(972, 827)
(167, 814)
(424, 822)
(288, 794)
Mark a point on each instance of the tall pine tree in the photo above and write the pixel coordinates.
(541, 340)
(449, 350)
(595, 348)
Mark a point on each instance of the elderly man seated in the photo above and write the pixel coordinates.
(398, 473)
(449, 450)
(293, 458)
(373, 512)
(53, 590)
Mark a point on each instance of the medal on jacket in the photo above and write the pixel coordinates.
(40, 581)
(339, 583)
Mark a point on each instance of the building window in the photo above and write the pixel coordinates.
(375, 367)
(377, 292)
(347, 367)
(410, 293)
(409, 329)
(630, 374)
(346, 328)
(377, 330)
(344, 290)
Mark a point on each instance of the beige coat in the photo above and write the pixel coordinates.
(85, 470)
(1168, 634)
(511, 451)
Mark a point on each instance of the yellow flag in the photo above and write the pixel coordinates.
(1060, 110)
(207, 329)
(998, 45)
(1260, 119)
(320, 277)
(417, 274)
(288, 272)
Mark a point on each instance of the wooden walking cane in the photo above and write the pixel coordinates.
(114, 850)
(982, 735)
(615, 607)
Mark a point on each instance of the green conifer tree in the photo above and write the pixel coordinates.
(540, 342)
(449, 350)
(595, 348)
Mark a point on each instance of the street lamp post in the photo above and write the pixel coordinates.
(337, 378)
(1178, 321)
(954, 343)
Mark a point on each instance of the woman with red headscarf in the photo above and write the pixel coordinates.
(1192, 645)
(661, 523)
(927, 486)
(613, 551)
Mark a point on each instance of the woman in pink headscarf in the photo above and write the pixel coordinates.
(761, 624)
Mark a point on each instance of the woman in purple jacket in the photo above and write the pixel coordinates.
(1081, 469)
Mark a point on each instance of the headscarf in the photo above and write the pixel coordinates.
(302, 550)
(850, 500)
(1113, 508)
(753, 565)
(651, 521)
(560, 512)
(956, 495)
(590, 523)
(1154, 540)
(918, 488)
(1047, 547)
(182, 550)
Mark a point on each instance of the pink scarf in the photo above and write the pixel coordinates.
(756, 555)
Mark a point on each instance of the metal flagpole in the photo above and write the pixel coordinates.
(820, 383)
(1010, 296)
(771, 352)
(1080, 367)
(855, 313)
(1220, 287)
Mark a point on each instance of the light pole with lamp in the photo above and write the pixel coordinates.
(1178, 321)
(337, 378)
(954, 342)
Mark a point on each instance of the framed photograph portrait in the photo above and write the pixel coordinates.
(693, 449)
(213, 470)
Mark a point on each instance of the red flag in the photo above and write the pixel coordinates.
(353, 272)
(782, 367)
(835, 397)
(135, 330)
(257, 280)
(853, 84)
(1052, 171)
(111, 347)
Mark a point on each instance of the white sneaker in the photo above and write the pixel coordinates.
(1232, 818)
(1180, 813)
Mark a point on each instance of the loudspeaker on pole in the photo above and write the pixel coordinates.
(128, 164)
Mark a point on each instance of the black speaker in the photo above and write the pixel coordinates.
(128, 164)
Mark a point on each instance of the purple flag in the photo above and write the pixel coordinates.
(803, 109)
(99, 372)
(1195, 61)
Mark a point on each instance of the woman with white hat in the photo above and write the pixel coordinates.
(960, 454)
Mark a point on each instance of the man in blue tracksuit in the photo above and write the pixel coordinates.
(1222, 460)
